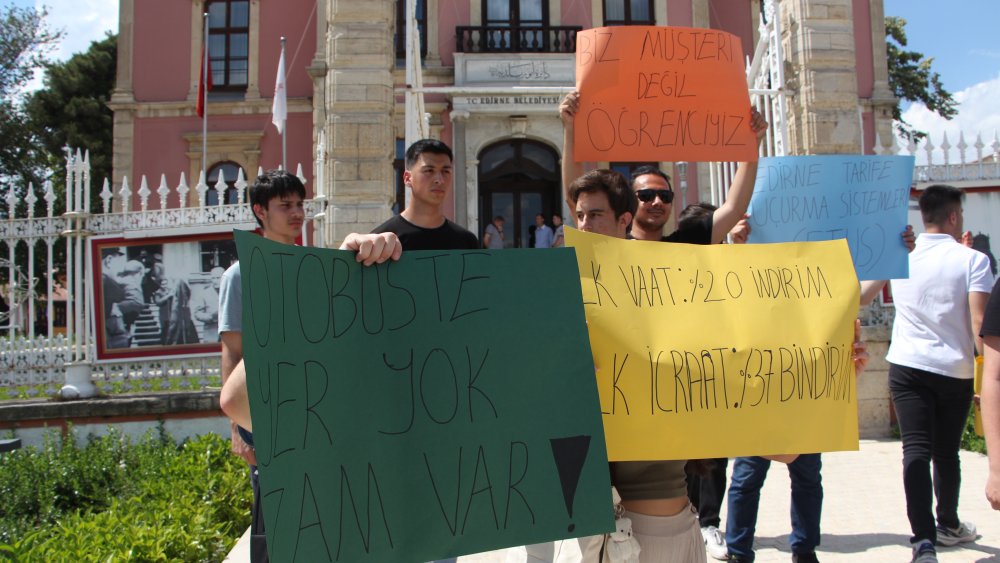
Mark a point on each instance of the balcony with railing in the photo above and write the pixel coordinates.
(516, 39)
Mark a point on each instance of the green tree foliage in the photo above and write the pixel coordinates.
(25, 41)
(72, 110)
(911, 79)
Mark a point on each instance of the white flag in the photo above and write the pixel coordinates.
(279, 108)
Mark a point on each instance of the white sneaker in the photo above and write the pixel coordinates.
(715, 543)
(965, 532)
(923, 552)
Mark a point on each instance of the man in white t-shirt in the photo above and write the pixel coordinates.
(939, 310)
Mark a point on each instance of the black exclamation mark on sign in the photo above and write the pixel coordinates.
(570, 453)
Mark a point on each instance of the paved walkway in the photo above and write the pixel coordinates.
(864, 513)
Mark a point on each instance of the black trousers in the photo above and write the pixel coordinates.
(706, 493)
(932, 410)
(258, 541)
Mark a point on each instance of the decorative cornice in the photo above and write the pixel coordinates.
(260, 106)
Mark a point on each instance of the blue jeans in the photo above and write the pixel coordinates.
(744, 499)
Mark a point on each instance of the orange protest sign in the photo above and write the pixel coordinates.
(661, 94)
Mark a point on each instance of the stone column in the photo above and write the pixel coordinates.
(122, 101)
(471, 207)
(462, 193)
(883, 99)
(358, 121)
(818, 38)
(873, 385)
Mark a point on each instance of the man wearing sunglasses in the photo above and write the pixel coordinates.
(655, 194)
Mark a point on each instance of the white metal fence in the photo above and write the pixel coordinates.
(48, 331)
(944, 162)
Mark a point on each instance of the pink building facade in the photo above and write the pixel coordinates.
(157, 128)
(346, 71)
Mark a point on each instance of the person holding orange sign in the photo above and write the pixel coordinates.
(655, 196)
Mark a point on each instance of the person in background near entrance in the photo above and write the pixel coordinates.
(939, 311)
(990, 399)
(423, 225)
(656, 195)
(276, 199)
(543, 233)
(559, 239)
(493, 236)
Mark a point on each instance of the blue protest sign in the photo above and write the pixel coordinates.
(861, 198)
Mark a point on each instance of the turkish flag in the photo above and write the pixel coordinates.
(202, 89)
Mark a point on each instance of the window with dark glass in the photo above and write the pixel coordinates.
(520, 24)
(628, 12)
(228, 43)
(398, 39)
(229, 171)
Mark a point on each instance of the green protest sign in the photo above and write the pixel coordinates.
(436, 406)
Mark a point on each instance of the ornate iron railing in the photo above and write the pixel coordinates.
(516, 39)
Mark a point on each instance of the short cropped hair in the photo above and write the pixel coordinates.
(432, 146)
(273, 184)
(938, 201)
(609, 182)
(649, 169)
(693, 214)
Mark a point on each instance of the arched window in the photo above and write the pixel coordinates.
(228, 43)
(518, 179)
(229, 171)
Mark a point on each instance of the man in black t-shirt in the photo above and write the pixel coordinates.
(990, 395)
(422, 225)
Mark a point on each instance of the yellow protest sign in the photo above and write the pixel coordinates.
(721, 350)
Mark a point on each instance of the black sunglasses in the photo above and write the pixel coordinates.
(647, 195)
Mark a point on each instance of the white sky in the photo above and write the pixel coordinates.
(978, 114)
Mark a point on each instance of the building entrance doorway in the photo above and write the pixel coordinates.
(518, 179)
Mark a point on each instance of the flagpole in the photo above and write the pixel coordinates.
(283, 145)
(204, 102)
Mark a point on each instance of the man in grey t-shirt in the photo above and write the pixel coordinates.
(493, 237)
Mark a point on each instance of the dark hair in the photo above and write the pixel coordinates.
(649, 169)
(938, 201)
(559, 215)
(499, 218)
(693, 214)
(432, 146)
(609, 182)
(272, 184)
